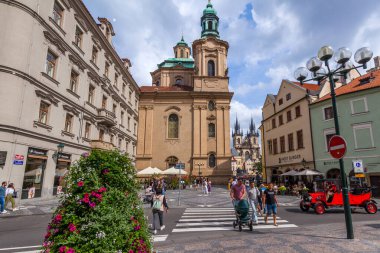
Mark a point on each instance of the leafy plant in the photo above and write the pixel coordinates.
(101, 211)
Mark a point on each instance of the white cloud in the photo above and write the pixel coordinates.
(244, 114)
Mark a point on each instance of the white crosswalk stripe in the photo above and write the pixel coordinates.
(219, 219)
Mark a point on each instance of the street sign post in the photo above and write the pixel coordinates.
(358, 168)
(179, 166)
(337, 147)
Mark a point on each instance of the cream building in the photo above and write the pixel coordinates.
(63, 91)
(185, 115)
(286, 130)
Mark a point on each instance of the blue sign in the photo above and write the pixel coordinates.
(18, 162)
(180, 166)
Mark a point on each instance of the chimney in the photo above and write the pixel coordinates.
(376, 60)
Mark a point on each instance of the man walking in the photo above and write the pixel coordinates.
(270, 202)
(3, 189)
(253, 195)
(238, 192)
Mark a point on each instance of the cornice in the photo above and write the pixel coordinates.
(47, 96)
(56, 42)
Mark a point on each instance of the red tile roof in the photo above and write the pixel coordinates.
(308, 86)
(165, 88)
(357, 85)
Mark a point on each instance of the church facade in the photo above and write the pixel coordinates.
(184, 116)
(246, 149)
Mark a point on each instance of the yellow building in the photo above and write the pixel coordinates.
(185, 115)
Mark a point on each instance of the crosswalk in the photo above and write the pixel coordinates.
(219, 219)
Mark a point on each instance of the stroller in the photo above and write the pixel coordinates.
(242, 215)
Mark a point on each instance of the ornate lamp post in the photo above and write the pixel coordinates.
(319, 73)
(199, 168)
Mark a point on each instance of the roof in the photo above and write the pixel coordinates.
(165, 88)
(173, 62)
(308, 86)
(209, 9)
(368, 81)
(182, 42)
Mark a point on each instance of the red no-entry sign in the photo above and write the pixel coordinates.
(337, 147)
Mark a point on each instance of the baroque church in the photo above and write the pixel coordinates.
(246, 149)
(184, 116)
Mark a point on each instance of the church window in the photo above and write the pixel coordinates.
(211, 161)
(238, 141)
(210, 25)
(211, 105)
(182, 54)
(247, 155)
(211, 68)
(173, 126)
(211, 130)
(178, 81)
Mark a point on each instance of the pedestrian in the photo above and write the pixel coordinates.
(253, 195)
(204, 186)
(233, 182)
(159, 205)
(209, 185)
(10, 195)
(270, 202)
(3, 190)
(238, 192)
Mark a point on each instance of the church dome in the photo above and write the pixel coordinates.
(209, 9)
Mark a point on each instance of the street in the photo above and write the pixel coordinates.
(205, 223)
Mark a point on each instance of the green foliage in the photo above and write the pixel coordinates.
(282, 188)
(101, 211)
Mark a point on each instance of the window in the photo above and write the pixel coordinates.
(87, 130)
(130, 95)
(104, 102)
(182, 54)
(274, 123)
(68, 123)
(178, 81)
(359, 105)
(101, 135)
(173, 126)
(211, 161)
(282, 144)
(211, 68)
(44, 112)
(58, 13)
(78, 37)
(290, 142)
(210, 25)
(119, 144)
(211, 130)
(116, 80)
(114, 108)
(247, 156)
(275, 150)
(300, 139)
(129, 123)
(51, 63)
(288, 96)
(280, 120)
(298, 111)
(106, 69)
(122, 118)
(94, 55)
(91, 94)
(74, 81)
(289, 116)
(328, 138)
(363, 136)
(270, 147)
(328, 113)
(211, 105)
(281, 101)
(123, 89)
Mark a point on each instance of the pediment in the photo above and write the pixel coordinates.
(176, 108)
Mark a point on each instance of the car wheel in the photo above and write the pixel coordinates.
(319, 208)
(304, 207)
(370, 207)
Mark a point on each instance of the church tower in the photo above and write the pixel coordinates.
(237, 135)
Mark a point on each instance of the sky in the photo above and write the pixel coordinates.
(268, 39)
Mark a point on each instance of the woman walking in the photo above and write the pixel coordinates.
(9, 196)
(159, 205)
(209, 186)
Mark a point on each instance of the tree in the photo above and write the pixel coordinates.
(101, 211)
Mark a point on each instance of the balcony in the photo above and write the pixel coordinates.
(98, 144)
(106, 117)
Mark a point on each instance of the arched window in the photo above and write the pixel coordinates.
(211, 68)
(211, 161)
(182, 54)
(178, 81)
(158, 83)
(211, 105)
(211, 130)
(171, 161)
(173, 126)
(210, 25)
(238, 141)
(247, 155)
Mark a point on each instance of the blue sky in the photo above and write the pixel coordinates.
(268, 39)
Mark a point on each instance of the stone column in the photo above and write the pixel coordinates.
(196, 130)
(219, 131)
(148, 131)
(204, 130)
(141, 131)
(227, 140)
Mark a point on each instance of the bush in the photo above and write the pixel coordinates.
(101, 211)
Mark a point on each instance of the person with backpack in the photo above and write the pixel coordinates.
(10, 195)
(253, 197)
(159, 205)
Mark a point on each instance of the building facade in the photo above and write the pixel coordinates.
(185, 115)
(359, 121)
(246, 149)
(286, 130)
(63, 91)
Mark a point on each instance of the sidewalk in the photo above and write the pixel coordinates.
(32, 207)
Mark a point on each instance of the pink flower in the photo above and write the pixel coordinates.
(62, 249)
(102, 189)
(71, 250)
(86, 200)
(80, 183)
(105, 171)
(58, 218)
(137, 228)
(92, 204)
(131, 251)
(85, 155)
(47, 235)
(72, 227)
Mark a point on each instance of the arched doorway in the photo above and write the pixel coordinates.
(333, 174)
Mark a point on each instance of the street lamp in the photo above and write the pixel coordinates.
(304, 163)
(199, 168)
(319, 73)
(60, 147)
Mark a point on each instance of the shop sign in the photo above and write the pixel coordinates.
(18, 162)
(3, 157)
(19, 157)
(36, 151)
(64, 156)
(290, 158)
(330, 162)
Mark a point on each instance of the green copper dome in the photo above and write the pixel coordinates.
(209, 9)
(209, 22)
(182, 42)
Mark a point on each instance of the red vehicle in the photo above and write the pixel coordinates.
(329, 195)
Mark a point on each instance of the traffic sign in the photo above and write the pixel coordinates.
(358, 166)
(337, 147)
(180, 166)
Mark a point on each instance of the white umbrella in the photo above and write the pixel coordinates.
(149, 171)
(308, 173)
(174, 171)
(290, 173)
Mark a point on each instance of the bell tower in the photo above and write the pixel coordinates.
(182, 50)
(210, 22)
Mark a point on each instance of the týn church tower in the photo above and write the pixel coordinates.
(184, 116)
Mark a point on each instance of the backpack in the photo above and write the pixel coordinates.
(157, 204)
